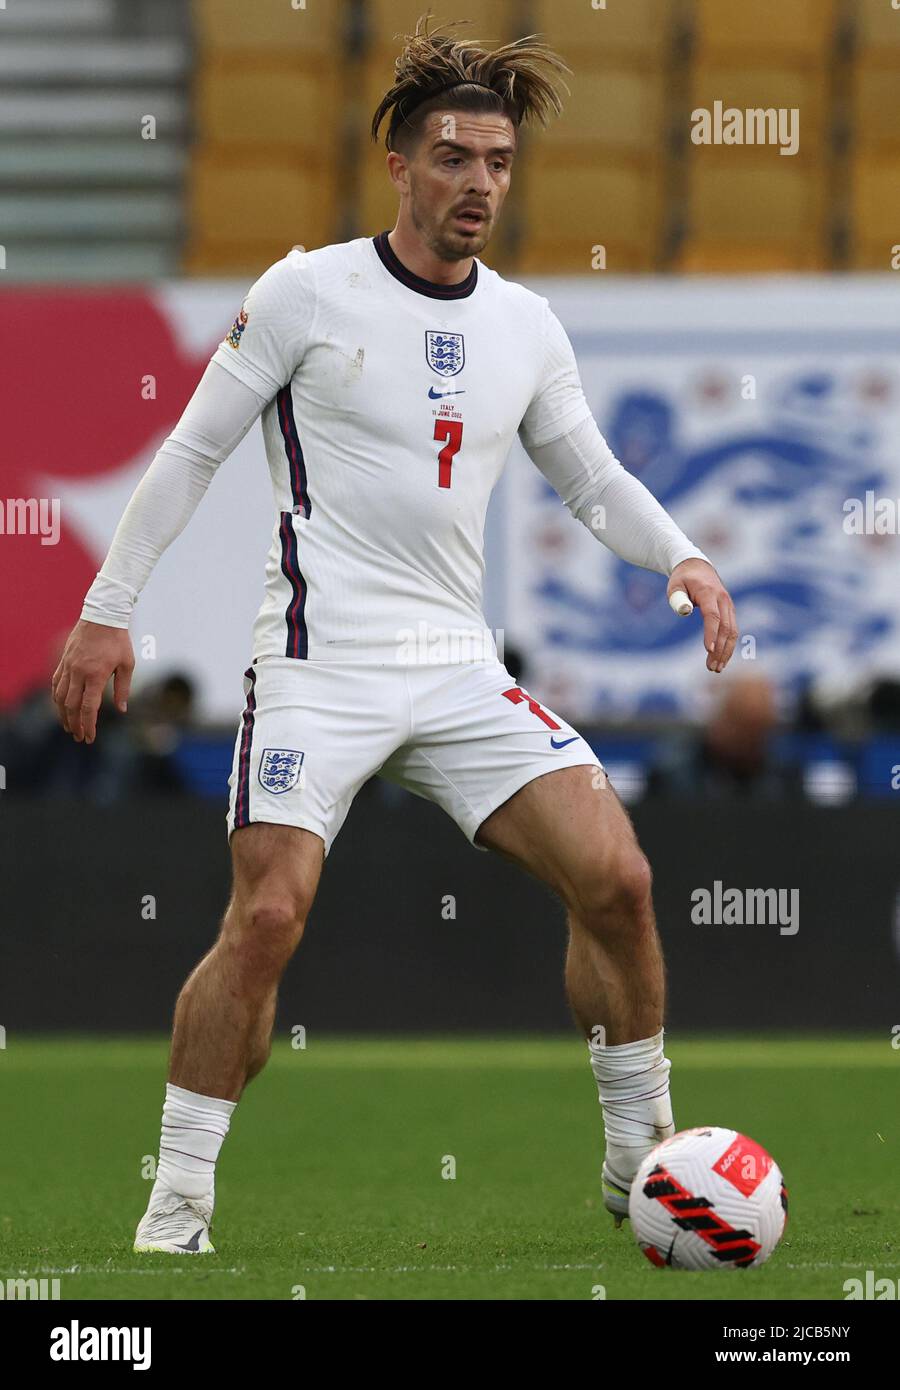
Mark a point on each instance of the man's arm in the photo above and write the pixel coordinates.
(219, 414)
(260, 354)
(561, 436)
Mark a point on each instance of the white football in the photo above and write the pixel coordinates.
(708, 1199)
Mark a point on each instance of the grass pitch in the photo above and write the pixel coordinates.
(331, 1182)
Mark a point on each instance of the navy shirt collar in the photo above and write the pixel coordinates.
(392, 263)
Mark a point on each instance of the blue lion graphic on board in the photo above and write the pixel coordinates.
(781, 481)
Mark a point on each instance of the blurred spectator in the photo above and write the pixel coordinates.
(163, 714)
(133, 753)
(40, 758)
(733, 755)
(884, 705)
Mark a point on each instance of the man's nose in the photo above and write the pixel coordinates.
(481, 181)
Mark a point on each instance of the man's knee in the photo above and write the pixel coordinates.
(614, 892)
(268, 930)
(276, 873)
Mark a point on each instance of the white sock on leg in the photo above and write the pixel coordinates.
(633, 1082)
(193, 1131)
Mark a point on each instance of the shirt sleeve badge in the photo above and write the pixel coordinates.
(233, 338)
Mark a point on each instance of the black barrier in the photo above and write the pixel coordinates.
(106, 910)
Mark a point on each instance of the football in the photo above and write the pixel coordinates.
(708, 1199)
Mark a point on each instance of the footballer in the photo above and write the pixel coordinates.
(392, 374)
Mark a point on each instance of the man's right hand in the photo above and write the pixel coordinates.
(92, 654)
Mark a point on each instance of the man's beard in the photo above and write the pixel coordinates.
(444, 241)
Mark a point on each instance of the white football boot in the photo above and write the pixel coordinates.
(615, 1193)
(175, 1225)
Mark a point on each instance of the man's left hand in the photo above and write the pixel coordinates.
(706, 591)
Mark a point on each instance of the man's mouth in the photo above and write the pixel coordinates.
(471, 217)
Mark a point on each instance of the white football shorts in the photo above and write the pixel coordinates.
(464, 736)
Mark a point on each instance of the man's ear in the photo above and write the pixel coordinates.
(398, 168)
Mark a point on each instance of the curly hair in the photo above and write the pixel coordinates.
(521, 80)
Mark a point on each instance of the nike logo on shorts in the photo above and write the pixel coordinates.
(564, 743)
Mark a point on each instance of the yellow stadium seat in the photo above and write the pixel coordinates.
(771, 202)
(765, 30)
(877, 30)
(875, 212)
(626, 29)
(876, 110)
(763, 88)
(492, 20)
(243, 199)
(611, 108)
(261, 105)
(724, 258)
(378, 202)
(240, 260)
(577, 213)
(314, 30)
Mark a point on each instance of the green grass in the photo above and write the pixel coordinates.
(331, 1176)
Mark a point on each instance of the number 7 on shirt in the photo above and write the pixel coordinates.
(451, 430)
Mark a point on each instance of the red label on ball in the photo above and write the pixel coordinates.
(745, 1164)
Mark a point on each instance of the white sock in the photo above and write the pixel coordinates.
(193, 1131)
(633, 1081)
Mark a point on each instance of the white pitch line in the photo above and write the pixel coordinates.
(440, 1269)
(109, 1269)
(304, 1270)
(845, 1264)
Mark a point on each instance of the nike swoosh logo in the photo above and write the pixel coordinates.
(439, 395)
(194, 1243)
(564, 743)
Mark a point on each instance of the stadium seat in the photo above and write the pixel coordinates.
(232, 27)
(638, 30)
(877, 31)
(708, 257)
(770, 213)
(875, 106)
(738, 85)
(492, 21)
(572, 207)
(263, 105)
(875, 211)
(611, 108)
(765, 30)
(377, 203)
(243, 202)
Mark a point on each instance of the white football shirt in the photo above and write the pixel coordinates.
(393, 404)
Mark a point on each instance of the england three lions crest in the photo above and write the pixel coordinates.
(279, 769)
(446, 352)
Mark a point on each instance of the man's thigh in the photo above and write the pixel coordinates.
(276, 859)
(568, 829)
(477, 738)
